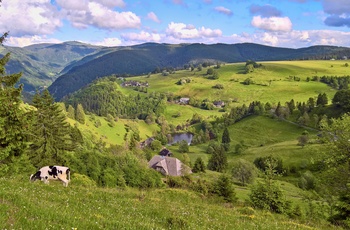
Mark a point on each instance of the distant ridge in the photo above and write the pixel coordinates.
(145, 58)
(68, 66)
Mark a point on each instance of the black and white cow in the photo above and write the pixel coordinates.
(47, 173)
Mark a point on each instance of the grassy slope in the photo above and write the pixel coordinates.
(27, 205)
(231, 75)
(263, 136)
(114, 135)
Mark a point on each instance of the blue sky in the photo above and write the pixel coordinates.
(282, 23)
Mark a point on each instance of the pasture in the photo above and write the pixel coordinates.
(26, 205)
(272, 83)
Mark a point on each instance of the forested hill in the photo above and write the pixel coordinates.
(41, 64)
(77, 64)
(145, 58)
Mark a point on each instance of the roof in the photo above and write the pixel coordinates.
(165, 152)
(167, 165)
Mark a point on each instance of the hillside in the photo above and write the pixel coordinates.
(88, 207)
(145, 58)
(41, 64)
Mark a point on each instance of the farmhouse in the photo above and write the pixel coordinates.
(169, 166)
(184, 100)
(165, 152)
(219, 104)
(134, 84)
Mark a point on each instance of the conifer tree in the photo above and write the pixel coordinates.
(51, 132)
(71, 112)
(12, 117)
(218, 159)
(225, 140)
(80, 114)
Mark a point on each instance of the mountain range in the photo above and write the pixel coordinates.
(66, 67)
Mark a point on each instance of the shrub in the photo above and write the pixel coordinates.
(244, 171)
(201, 186)
(307, 181)
(83, 180)
(223, 187)
(199, 165)
(261, 163)
(269, 196)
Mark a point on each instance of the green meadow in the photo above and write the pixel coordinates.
(26, 205)
(272, 82)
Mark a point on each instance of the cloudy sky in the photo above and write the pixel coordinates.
(283, 23)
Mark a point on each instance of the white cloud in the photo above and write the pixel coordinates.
(270, 39)
(112, 3)
(223, 10)
(152, 16)
(29, 40)
(282, 24)
(110, 42)
(99, 14)
(142, 37)
(183, 31)
(29, 17)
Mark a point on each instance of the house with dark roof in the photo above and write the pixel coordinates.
(165, 152)
(169, 166)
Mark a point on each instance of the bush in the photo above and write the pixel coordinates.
(199, 165)
(269, 196)
(176, 182)
(83, 180)
(307, 181)
(261, 163)
(201, 186)
(244, 171)
(223, 187)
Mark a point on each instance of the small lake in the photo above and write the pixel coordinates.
(177, 137)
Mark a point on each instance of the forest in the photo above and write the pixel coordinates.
(45, 132)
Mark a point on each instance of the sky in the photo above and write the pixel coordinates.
(279, 23)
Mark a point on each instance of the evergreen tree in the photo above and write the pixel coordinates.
(322, 99)
(225, 140)
(198, 166)
(183, 147)
(218, 159)
(279, 110)
(80, 114)
(51, 133)
(12, 117)
(71, 112)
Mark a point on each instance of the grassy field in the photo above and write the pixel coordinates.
(272, 83)
(114, 135)
(26, 205)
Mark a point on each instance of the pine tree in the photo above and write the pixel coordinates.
(80, 114)
(218, 159)
(225, 140)
(199, 165)
(51, 132)
(12, 118)
(71, 112)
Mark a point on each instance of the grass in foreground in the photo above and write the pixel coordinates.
(26, 205)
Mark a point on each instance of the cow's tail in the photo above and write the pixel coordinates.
(68, 174)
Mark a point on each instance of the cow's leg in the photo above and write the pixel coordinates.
(45, 179)
(64, 181)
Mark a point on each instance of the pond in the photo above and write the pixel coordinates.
(177, 137)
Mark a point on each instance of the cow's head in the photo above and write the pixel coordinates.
(35, 176)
